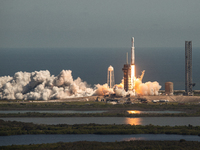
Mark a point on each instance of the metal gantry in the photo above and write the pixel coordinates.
(127, 76)
(188, 68)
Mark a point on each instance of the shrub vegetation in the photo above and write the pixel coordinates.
(18, 128)
(125, 145)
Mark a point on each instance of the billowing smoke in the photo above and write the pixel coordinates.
(148, 88)
(143, 89)
(102, 90)
(119, 91)
(41, 85)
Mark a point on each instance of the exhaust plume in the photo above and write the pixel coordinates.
(148, 88)
(41, 85)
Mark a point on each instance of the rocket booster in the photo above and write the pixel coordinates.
(133, 52)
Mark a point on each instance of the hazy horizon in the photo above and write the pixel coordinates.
(98, 24)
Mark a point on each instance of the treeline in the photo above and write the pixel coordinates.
(56, 105)
(128, 145)
(104, 114)
(18, 128)
(96, 106)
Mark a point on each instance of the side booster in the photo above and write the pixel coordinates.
(133, 52)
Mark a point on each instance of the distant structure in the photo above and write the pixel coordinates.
(110, 77)
(129, 70)
(127, 75)
(132, 52)
(188, 68)
(169, 88)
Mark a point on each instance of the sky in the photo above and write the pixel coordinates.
(98, 23)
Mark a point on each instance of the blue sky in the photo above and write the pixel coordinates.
(98, 23)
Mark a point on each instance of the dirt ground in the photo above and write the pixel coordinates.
(179, 99)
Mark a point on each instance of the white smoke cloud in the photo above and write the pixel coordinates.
(148, 88)
(41, 85)
(120, 92)
(103, 90)
(4, 80)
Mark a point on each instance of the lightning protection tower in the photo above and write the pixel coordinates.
(110, 77)
(188, 68)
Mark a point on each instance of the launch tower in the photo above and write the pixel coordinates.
(129, 70)
(188, 68)
(127, 77)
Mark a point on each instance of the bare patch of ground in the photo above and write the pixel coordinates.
(179, 99)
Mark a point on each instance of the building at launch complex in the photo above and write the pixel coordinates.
(129, 72)
(188, 69)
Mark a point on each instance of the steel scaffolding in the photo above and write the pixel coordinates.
(127, 77)
(188, 68)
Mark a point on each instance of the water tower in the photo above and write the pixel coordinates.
(110, 77)
(169, 88)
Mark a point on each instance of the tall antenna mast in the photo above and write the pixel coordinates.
(127, 58)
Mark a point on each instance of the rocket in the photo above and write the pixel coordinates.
(133, 52)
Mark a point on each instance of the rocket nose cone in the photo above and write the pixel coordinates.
(132, 39)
